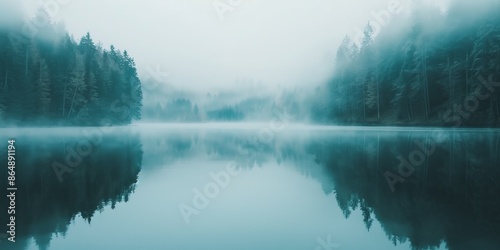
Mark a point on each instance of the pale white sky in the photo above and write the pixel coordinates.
(277, 41)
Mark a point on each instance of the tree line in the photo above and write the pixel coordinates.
(51, 79)
(433, 68)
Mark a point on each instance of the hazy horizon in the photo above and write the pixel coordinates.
(285, 43)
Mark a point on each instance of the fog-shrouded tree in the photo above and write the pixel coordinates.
(51, 79)
(423, 69)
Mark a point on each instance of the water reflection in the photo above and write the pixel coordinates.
(447, 192)
(451, 196)
(46, 206)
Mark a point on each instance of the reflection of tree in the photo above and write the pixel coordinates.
(46, 206)
(241, 147)
(451, 197)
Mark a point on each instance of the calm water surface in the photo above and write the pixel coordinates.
(228, 187)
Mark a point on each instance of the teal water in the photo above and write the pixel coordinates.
(251, 187)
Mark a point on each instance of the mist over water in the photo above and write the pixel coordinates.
(234, 124)
(306, 184)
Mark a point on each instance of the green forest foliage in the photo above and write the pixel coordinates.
(434, 69)
(51, 79)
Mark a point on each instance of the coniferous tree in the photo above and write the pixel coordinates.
(425, 70)
(55, 80)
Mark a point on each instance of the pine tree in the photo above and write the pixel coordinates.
(74, 95)
(52, 78)
(43, 89)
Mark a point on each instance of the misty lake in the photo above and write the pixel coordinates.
(234, 186)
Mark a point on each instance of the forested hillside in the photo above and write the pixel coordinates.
(52, 79)
(432, 68)
(245, 102)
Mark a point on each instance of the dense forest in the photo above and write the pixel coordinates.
(52, 79)
(432, 68)
(429, 68)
